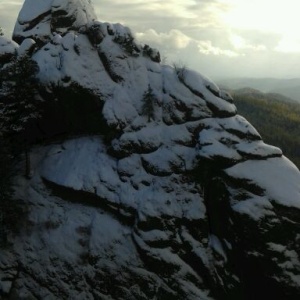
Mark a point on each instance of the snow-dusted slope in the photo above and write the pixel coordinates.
(186, 204)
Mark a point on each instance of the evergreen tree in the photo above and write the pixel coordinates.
(18, 109)
(1, 31)
(18, 92)
(18, 105)
(148, 104)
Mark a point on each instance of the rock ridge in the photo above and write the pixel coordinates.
(184, 201)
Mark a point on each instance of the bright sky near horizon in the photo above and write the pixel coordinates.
(220, 38)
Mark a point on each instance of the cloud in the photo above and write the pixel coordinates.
(206, 47)
(258, 37)
(8, 14)
(166, 8)
(172, 39)
(240, 43)
(221, 37)
(288, 44)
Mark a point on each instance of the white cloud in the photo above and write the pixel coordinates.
(206, 47)
(241, 36)
(8, 14)
(288, 44)
(263, 15)
(173, 39)
(240, 43)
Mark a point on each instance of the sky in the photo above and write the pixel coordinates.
(218, 38)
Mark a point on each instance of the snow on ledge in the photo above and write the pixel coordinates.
(7, 46)
(279, 177)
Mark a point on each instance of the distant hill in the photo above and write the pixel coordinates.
(277, 119)
(287, 87)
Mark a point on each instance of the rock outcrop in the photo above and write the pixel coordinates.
(39, 20)
(186, 204)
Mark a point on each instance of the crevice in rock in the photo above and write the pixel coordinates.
(214, 92)
(249, 156)
(195, 92)
(13, 282)
(155, 265)
(37, 20)
(126, 215)
(219, 113)
(242, 135)
(105, 61)
(249, 256)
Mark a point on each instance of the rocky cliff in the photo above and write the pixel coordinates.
(183, 201)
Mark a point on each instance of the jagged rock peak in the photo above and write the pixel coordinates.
(40, 19)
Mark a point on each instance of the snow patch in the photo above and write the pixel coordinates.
(215, 244)
(256, 207)
(279, 177)
(7, 46)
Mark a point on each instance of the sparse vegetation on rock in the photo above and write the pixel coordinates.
(180, 70)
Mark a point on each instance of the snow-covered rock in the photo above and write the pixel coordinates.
(7, 49)
(186, 204)
(40, 19)
(27, 47)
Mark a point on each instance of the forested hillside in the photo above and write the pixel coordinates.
(276, 118)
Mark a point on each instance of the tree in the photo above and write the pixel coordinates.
(18, 109)
(1, 31)
(18, 104)
(18, 93)
(148, 104)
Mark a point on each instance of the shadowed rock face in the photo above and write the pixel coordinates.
(186, 204)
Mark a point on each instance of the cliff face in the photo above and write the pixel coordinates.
(182, 200)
